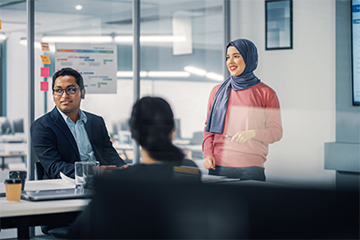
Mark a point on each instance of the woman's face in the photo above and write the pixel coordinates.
(234, 61)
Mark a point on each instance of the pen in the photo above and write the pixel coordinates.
(228, 136)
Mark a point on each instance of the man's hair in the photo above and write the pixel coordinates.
(69, 72)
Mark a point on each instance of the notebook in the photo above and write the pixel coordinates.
(56, 194)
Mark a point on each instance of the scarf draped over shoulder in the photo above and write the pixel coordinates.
(246, 79)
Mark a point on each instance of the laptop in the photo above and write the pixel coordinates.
(56, 194)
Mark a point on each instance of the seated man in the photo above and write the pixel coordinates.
(67, 134)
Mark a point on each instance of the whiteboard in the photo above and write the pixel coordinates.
(97, 63)
(356, 51)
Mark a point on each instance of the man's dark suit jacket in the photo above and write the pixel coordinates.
(56, 148)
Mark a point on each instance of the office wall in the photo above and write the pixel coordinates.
(304, 79)
(344, 154)
(17, 80)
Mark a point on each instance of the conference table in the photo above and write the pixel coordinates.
(25, 214)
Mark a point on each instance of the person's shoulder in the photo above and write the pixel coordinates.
(45, 119)
(42, 118)
(265, 88)
(216, 87)
(92, 116)
(214, 90)
(89, 114)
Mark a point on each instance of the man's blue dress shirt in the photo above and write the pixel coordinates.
(79, 132)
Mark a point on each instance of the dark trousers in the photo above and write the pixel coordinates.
(243, 173)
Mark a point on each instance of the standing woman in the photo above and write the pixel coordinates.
(243, 118)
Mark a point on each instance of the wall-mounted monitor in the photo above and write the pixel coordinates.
(355, 42)
(18, 125)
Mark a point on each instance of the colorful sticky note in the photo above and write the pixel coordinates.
(44, 72)
(45, 59)
(45, 46)
(44, 86)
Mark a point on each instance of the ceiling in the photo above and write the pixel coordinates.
(114, 17)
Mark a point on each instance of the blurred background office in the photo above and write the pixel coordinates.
(181, 59)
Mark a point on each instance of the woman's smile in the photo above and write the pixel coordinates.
(232, 67)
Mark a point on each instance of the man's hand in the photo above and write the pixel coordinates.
(107, 168)
(243, 137)
(209, 162)
(124, 166)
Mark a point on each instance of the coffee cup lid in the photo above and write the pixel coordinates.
(17, 174)
(12, 181)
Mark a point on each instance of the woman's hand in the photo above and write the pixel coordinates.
(243, 137)
(209, 162)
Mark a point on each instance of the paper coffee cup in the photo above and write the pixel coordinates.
(13, 189)
(19, 174)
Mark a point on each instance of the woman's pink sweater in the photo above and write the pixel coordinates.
(256, 108)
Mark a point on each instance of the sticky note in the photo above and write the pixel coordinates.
(45, 46)
(0, 24)
(44, 72)
(44, 86)
(45, 59)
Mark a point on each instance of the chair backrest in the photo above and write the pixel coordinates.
(39, 171)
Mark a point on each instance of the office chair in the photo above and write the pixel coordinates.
(39, 171)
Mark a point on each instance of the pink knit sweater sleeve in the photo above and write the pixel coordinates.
(207, 145)
(273, 131)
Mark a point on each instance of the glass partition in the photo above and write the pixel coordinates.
(182, 60)
(181, 57)
(94, 37)
(13, 86)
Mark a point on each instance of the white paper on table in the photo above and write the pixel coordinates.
(67, 179)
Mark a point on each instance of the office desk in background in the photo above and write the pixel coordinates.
(25, 214)
(12, 146)
(11, 155)
(125, 151)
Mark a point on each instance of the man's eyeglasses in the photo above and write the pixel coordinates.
(69, 91)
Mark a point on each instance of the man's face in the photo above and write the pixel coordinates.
(67, 103)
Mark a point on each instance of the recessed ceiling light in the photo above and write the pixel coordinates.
(78, 7)
(215, 76)
(2, 37)
(78, 39)
(195, 70)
